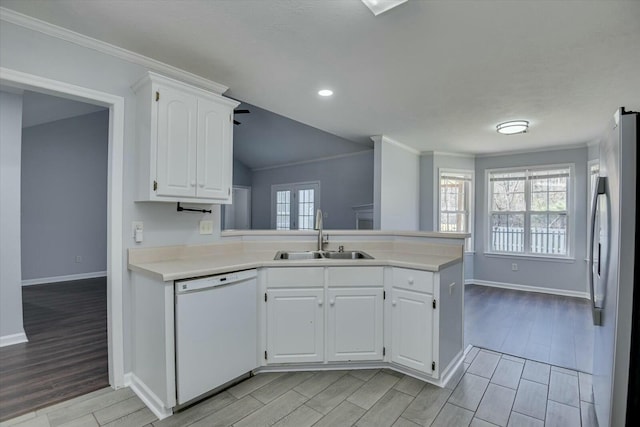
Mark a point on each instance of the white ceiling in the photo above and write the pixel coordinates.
(38, 108)
(435, 75)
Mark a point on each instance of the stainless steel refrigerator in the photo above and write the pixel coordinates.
(615, 302)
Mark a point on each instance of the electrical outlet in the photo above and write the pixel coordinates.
(78, 258)
(514, 267)
(206, 227)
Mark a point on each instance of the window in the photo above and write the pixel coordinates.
(294, 205)
(529, 210)
(456, 200)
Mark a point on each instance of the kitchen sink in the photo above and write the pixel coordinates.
(346, 255)
(299, 255)
(304, 255)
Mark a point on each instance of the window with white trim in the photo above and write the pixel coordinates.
(293, 206)
(529, 210)
(455, 188)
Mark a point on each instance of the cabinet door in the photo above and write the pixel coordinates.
(215, 150)
(411, 329)
(176, 143)
(355, 324)
(295, 325)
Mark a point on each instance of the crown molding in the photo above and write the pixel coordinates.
(383, 138)
(13, 17)
(534, 150)
(304, 162)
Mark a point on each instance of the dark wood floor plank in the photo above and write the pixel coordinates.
(66, 355)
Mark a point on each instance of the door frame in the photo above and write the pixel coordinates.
(115, 181)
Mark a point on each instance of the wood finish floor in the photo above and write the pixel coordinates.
(490, 389)
(66, 356)
(546, 328)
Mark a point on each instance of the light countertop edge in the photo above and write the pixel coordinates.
(178, 269)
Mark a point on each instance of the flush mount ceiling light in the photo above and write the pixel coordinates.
(325, 92)
(513, 127)
(381, 6)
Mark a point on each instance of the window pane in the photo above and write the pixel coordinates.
(507, 232)
(549, 234)
(539, 201)
(453, 222)
(507, 191)
(306, 209)
(558, 201)
(283, 210)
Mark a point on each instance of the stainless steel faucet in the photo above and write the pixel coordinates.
(318, 227)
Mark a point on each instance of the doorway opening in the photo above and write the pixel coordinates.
(110, 282)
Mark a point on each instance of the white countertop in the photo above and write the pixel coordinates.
(177, 263)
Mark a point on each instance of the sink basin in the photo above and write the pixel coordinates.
(347, 255)
(303, 255)
(298, 255)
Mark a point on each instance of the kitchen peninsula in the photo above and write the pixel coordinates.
(401, 309)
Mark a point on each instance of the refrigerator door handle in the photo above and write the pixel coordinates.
(600, 189)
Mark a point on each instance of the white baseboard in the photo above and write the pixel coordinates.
(13, 339)
(68, 278)
(528, 288)
(147, 396)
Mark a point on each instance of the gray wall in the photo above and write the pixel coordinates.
(64, 196)
(242, 175)
(427, 199)
(10, 276)
(569, 275)
(399, 177)
(594, 151)
(344, 182)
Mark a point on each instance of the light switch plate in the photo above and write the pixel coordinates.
(137, 229)
(206, 227)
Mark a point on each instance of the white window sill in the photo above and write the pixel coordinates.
(566, 260)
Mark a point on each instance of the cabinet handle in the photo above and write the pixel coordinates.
(319, 302)
(201, 184)
(332, 302)
(410, 280)
(393, 302)
(193, 183)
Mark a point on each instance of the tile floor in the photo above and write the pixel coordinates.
(491, 389)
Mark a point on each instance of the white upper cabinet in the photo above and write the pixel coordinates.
(214, 163)
(185, 142)
(176, 164)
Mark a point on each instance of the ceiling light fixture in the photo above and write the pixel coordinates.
(513, 127)
(325, 92)
(381, 6)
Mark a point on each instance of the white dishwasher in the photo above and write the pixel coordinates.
(216, 331)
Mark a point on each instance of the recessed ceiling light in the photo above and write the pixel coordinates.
(325, 92)
(381, 6)
(513, 127)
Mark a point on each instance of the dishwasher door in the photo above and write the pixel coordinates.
(216, 332)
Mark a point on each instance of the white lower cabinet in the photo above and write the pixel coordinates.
(295, 325)
(412, 329)
(355, 324)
